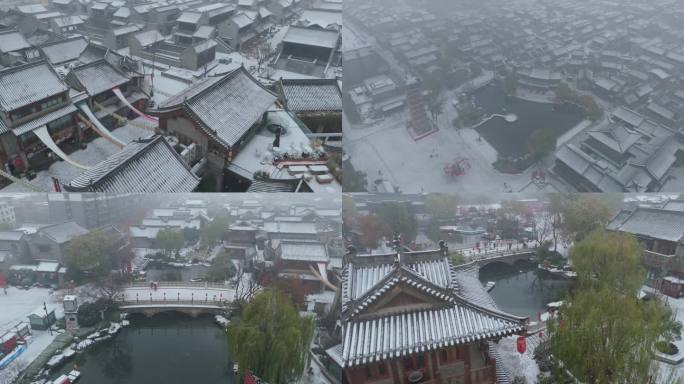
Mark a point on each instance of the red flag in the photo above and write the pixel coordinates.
(3, 280)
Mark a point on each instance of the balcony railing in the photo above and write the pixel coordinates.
(656, 254)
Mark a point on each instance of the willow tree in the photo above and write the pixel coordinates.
(605, 333)
(271, 339)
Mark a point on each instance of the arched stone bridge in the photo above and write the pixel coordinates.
(507, 257)
(190, 298)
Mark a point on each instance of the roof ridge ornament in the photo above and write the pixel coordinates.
(396, 241)
(443, 248)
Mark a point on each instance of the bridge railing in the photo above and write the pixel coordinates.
(178, 284)
(198, 302)
(501, 253)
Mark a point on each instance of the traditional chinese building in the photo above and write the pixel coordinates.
(661, 232)
(219, 115)
(412, 317)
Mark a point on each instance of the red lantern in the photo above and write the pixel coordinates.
(521, 345)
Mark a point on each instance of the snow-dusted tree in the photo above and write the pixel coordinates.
(605, 334)
(271, 339)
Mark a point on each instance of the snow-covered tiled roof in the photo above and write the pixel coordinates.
(126, 30)
(26, 84)
(311, 94)
(42, 120)
(63, 232)
(31, 8)
(242, 20)
(290, 227)
(314, 37)
(148, 38)
(123, 12)
(445, 318)
(96, 77)
(303, 251)
(68, 21)
(189, 17)
(227, 107)
(65, 50)
(11, 41)
(657, 223)
(143, 166)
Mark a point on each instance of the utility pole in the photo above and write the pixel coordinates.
(47, 317)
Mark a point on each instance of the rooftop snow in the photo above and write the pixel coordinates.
(27, 84)
(61, 233)
(96, 77)
(12, 41)
(311, 36)
(311, 95)
(143, 166)
(66, 50)
(227, 106)
(303, 251)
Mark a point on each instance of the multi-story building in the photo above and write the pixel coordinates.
(660, 230)
(91, 210)
(412, 317)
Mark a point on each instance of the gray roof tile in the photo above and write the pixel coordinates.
(144, 166)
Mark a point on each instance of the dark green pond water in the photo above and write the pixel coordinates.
(169, 348)
(512, 139)
(519, 290)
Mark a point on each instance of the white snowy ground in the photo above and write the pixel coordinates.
(384, 149)
(678, 306)
(14, 307)
(96, 151)
(517, 364)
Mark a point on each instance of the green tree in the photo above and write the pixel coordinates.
(541, 143)
(349, 207)
(90, 253)
(398, 219)
(510, 83)
(605, 334)
(433, 231)
(456, 258)
(441, 205)
(435, 102)
(564, 93)
(371, 229)
(353, 180)
(468, 114)
(608, 259)
(583, 213)
(191, 235)
(213, 231)
(514, 208)
(592, 109)
(271, 339)
(221, 268)
(170, 240)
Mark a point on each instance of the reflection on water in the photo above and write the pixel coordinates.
(169, 348)
(519, 290)
(162, 272)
